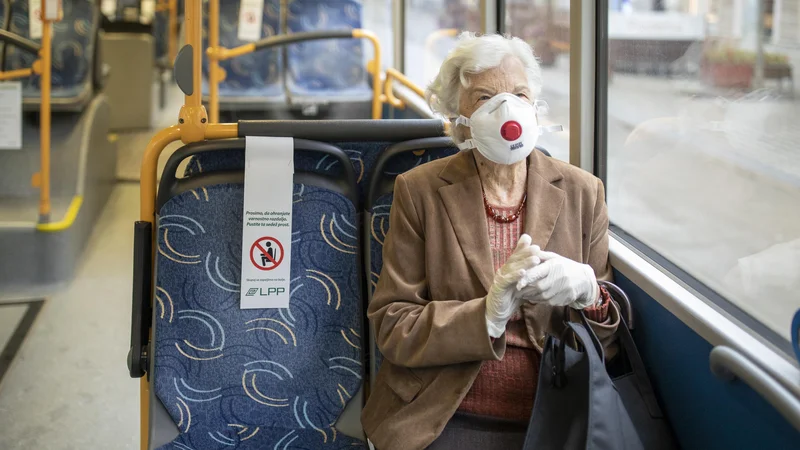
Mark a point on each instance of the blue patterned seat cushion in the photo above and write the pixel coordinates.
(326, 68)
(73, 49)
(257, 378)
(161, 31)
(257, 74)
(379, 214)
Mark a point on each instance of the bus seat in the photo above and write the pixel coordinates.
(161, 33)
(331, 70)
(198, 269)
(74, 41)
(126, 10)
(254, 79)
(363, 146)
(257, 378)
(393, 161)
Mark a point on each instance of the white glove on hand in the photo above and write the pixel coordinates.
(503, 299)
(559, 281)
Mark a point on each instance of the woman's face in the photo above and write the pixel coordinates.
(508, 77)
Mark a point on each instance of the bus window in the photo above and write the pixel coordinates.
(703, 166)
(544, 24)
(378, 19)
(431, 30)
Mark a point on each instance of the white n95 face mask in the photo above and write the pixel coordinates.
(504, 129)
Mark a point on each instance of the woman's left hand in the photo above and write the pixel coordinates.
(560, 281)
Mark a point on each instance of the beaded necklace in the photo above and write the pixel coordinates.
(502, 217)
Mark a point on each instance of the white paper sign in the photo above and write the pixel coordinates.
(148, 11)
(11, 115)
(109, 8)
(267, 222)
(53, 10)
(35, 19)
(251, 15)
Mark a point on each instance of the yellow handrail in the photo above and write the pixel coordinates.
(192, 126)
(14, 74)
(438, 34)
(215, 73)
(173, 30)
(216, 53)
(42, 178)
(374, 68)
(388, 95)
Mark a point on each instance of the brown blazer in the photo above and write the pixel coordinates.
(428, 310)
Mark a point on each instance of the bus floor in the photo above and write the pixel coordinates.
(67, 386)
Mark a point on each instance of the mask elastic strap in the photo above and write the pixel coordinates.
(461, 120)
(466, 145)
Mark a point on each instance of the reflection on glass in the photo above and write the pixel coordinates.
(431, 28)
(378, 19)
(703, 163)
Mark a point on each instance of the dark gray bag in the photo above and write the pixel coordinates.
(579, 406)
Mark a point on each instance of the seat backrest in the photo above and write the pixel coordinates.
(362, 140)
(127, 10)
(253, 70)
(266, 376)
(325, 65)
(73, 48)
(161, 35)
(161, 31)
(394, 161)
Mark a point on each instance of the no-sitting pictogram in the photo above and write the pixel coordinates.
(266, 253)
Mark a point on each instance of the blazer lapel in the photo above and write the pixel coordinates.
(463, 200)
(545, 199)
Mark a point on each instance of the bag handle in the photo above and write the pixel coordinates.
(622, 300)
(585, 336)
(639, 372)
(625, 340)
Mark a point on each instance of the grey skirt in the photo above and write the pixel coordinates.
(472, 432)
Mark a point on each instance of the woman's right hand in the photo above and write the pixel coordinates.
(503, 298)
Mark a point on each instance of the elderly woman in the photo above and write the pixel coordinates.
(467, 294)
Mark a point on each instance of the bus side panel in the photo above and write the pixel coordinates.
(705, 412)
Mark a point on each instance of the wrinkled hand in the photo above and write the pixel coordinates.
(559, 281)
(503, 298)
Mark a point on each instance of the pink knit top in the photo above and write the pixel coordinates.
(507, 388)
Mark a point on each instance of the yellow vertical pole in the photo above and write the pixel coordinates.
(374, 67)
(194, 37)
(173, 30)
(44, 118)
(213, 61)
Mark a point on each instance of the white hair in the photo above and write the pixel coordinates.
(474, 54)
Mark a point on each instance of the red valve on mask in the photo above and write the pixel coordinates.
(511, 130)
